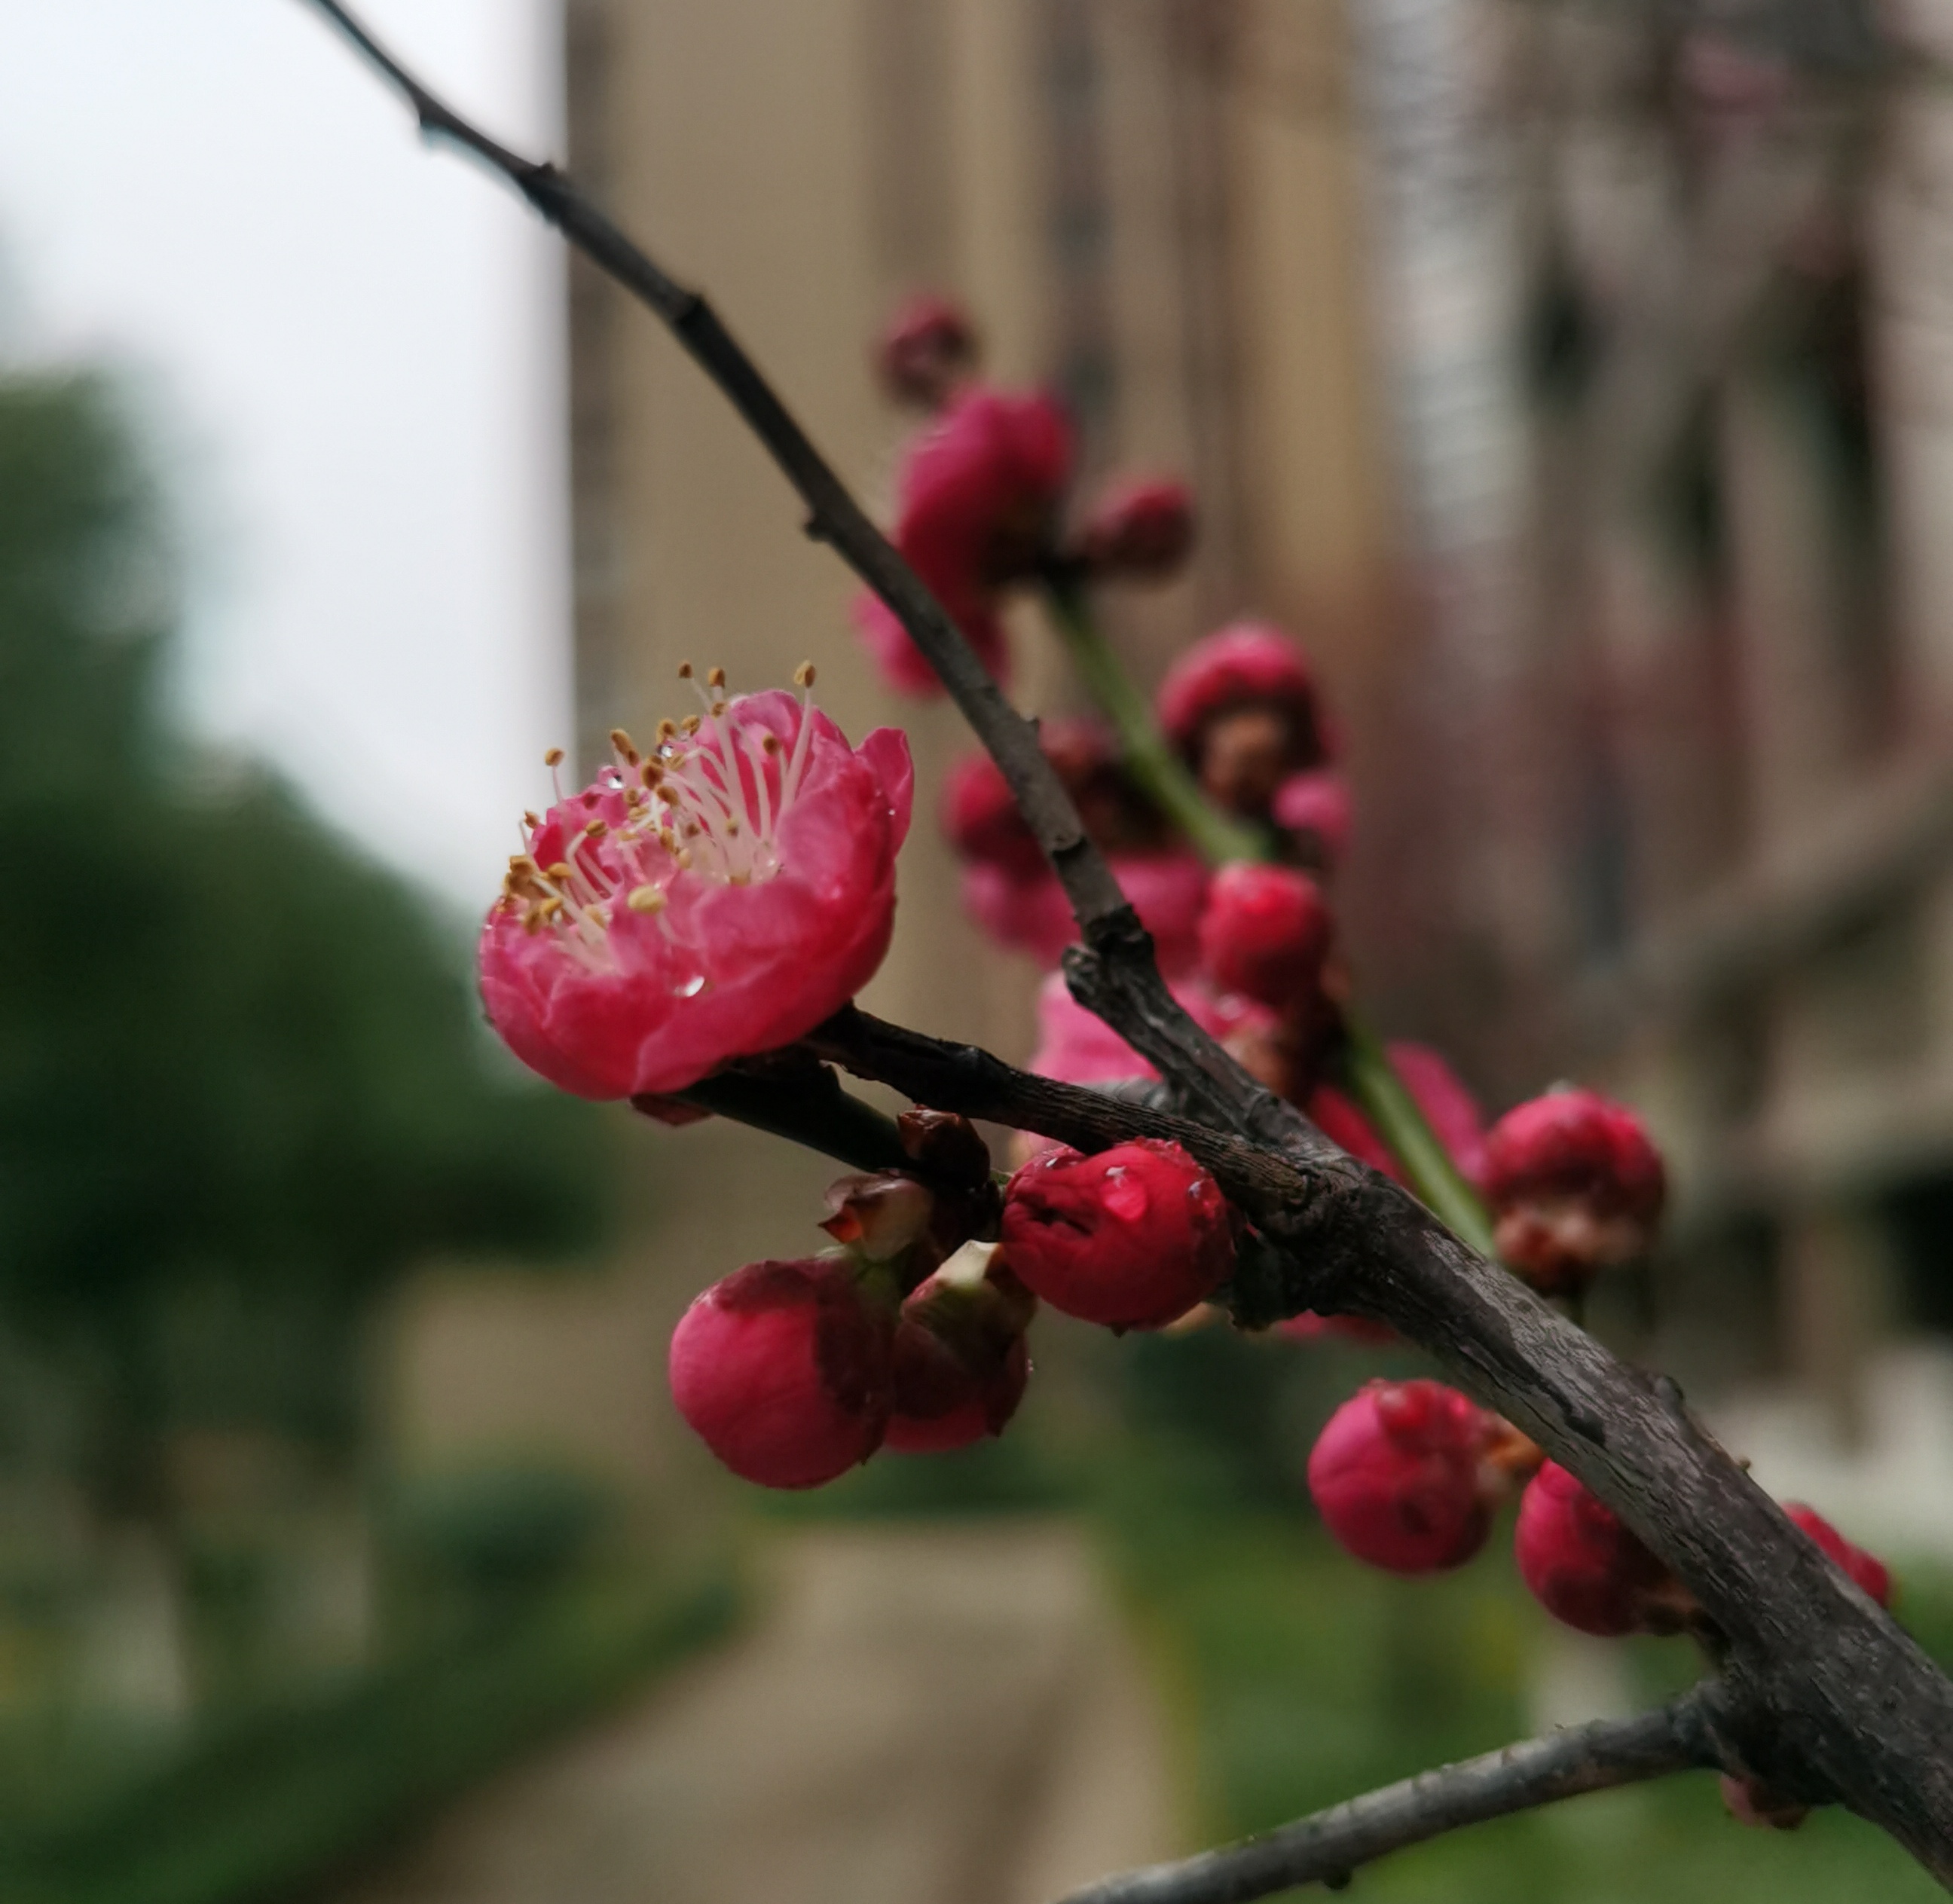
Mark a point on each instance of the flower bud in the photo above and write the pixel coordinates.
(784, 1370)
(1575, 1186)
(1869, 1574)
(1142, 528)
(1364, 1331)
(1241, 705)
(1316, 806)
(1400, 1478)
(1585, 1568)
(981, 817)
(1132, 1237)
(1751, 1802)
(960, 1358)
(1266, 933)
(926, 348)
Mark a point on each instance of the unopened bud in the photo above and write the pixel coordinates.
(1142, 529)
(1575, 1185)
(1131, 1238)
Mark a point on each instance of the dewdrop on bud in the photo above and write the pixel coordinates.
(1131, 1237)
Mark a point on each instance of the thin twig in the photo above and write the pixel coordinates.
(1825, 1698)
(1326, 1848)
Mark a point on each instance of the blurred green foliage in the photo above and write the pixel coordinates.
(265, 1806)
(1299, 1679)
(243, 1079)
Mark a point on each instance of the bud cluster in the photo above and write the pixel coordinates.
(910, 1332)
(980, 498)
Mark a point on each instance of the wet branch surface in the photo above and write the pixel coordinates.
(1328, 1847)
(1820, 1692)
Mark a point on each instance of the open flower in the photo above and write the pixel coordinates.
(715, 898)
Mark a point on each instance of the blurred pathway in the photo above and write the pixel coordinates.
(933, 1715)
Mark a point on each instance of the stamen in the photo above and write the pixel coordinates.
(716, 679)
(690, 724)
(684, 670)
(553, 758)
(803, 674)
(645, 899)
(595, 829)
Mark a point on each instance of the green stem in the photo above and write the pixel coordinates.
(1148, 757)
(1372, 1080)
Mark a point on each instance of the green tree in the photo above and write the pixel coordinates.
(236, 1059)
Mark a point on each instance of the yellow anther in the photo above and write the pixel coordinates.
(560, 871)
(803, 674)
(553, 758)
(719, 706)
(621, 741)
(690, 723)
(684, 670)
(594, 828)
(645, 899)
(533, 821)
(521, 863)
(732, 824)
(716, 679)
(667, 730)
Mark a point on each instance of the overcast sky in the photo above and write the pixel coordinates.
(346, 347)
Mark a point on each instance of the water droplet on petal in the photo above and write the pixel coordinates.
(691, 987)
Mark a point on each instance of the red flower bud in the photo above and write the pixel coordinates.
(1132, 1237)
(960, 1358)
(783, 1370)
(1317, 806)
(1869, 1574)
(1751, 1802)
(1266, 933)
(927, 346)
(1142, 528)
(1585, 1568)
(1246, 667)
(1575, 1185)
(1400, 1477)
(1309, 1327)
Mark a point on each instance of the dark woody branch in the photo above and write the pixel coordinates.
(1326, 1848)
(1824, 1696)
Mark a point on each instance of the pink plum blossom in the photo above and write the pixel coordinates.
(717, 897)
